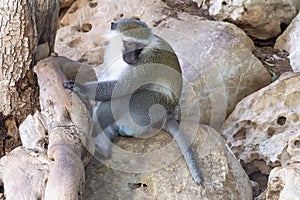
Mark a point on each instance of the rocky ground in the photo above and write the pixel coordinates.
(233, 55)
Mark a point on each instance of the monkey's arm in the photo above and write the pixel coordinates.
(98, 91)
(172, 128)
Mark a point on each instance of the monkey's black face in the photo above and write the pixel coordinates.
(132, 51)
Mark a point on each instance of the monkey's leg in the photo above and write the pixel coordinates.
(172, 127)
(139, 107)
(98, 91)
(104, 130)
(103, 143)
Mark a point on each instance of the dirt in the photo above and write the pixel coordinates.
(7, 141)
(7, 144)
(275, 61)
(188, 7)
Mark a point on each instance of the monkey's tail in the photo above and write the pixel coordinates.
(172, 127)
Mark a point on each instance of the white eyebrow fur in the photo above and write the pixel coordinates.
(153, 42)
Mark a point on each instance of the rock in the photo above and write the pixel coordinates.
(263, 130)
(74, 70)
(75, 42)
(94, 56)
(216, 57)
(201, 3)
(260, 19)
(43, 51)
(218, 66)
(23, 173)
(262, 196)
(144, 179)
(32, 132)
(284, 183)
(290, 41)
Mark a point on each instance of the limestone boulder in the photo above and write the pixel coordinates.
(33, 133)
(154, 176)
(219, 68)
(264, 129)
(284, 183)
(260, 19)
(23, 173)
(290, 41)
(80, 36)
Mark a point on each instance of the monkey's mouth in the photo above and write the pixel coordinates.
(132, 57)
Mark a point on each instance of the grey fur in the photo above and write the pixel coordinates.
(153, 77)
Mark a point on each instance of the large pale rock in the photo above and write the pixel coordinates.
(260, 19)
(83, 26)
(290, 41)
(154, 177)
(284, 183)
(23, 173)
(33, 132)
(218, 66)
(264, 129)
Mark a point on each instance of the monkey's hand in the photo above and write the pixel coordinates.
(71, 85)
(79, 90)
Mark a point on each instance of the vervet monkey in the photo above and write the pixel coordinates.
(138, 89)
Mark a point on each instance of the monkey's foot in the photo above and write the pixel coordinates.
(69, 84)
(75, 87)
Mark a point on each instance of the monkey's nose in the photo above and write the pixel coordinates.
(131, 57)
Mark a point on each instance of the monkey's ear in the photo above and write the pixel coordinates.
(113, 26)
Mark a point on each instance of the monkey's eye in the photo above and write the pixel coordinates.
(140, 46)
(133, 45)
(129, 44)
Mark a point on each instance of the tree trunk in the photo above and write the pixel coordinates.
(56, 139)
(27, 32)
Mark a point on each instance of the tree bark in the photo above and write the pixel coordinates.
(27, 32)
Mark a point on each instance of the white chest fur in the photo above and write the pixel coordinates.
(114, 65)
(113, 70)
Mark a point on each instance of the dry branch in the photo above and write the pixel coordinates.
(57, 173)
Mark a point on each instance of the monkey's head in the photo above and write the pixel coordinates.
(135, 35)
